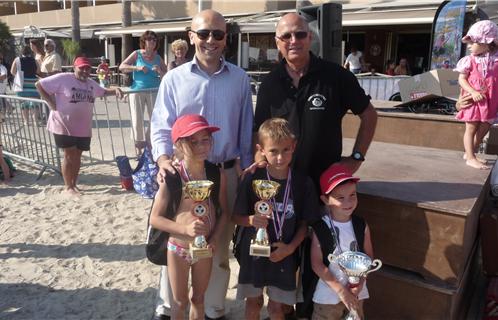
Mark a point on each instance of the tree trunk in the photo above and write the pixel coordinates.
(75, 20)
(126, 39)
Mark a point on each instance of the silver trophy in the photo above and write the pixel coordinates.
(355, 265)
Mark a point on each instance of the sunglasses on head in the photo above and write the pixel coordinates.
(204, 34)
(299, 35)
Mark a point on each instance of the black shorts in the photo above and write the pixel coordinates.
(82, 143)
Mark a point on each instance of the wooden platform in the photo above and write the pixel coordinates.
(397, 294)
(416, 129)
(422, 205)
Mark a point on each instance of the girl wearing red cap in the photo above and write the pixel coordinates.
(71, 97)
(478, 77)
(172, 213)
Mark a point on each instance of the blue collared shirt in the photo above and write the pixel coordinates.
(224, 99)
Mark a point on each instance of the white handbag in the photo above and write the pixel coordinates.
(19, 77)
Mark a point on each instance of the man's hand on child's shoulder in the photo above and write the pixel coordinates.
(283, 250)
(252, 168)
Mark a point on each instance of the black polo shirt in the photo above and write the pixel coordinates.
(315, 110)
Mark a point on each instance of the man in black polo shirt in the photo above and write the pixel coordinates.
(314, 95)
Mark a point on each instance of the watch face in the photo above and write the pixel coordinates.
(358, 156)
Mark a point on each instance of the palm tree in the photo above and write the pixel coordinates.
(75, 20)
(5, 37)
(126, 39)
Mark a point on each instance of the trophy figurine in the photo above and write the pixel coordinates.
(265, 190)
(199, 190)
(355, 265)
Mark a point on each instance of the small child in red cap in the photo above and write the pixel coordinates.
(172, 213)
(333, 296)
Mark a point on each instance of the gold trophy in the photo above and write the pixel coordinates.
(199, 190)
(265, 190)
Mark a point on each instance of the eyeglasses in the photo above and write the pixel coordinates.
(299, 35)
(150, 39)
(204, 34)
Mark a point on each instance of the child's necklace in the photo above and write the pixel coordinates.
(279, 220)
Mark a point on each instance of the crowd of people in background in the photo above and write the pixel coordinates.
(203, 126)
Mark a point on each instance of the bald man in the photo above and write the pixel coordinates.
(314, 95)
(219, 91)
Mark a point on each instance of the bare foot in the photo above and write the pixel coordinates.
(475, 163)
(483, 161)
(72, 192)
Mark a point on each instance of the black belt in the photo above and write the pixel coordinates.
(226, 165)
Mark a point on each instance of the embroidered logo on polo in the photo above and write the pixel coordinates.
(317, 102)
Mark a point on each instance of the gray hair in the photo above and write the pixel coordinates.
(50, 42)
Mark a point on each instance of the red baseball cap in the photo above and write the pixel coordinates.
(82, 62)
(333, 176)
(188, 125)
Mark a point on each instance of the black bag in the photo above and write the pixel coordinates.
(157, 240)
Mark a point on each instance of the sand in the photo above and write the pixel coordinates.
(78, 257)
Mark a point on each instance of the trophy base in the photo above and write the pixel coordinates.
(258, 250)
(200, 253)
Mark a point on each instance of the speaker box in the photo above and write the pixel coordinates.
(325, 22)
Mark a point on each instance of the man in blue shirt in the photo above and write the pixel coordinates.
(219, 91)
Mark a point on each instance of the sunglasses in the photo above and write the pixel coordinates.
(150, 39)
(299, 35)
(204, 34)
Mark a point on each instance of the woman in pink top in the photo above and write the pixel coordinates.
(479, 77)
(71, 97)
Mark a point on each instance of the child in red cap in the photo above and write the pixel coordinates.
(333, 296)
(479, 78)
(172, 213)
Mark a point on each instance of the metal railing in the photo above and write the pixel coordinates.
(23, 133)
(380, 87)
(24, 136)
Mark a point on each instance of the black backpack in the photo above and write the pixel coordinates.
(157, 240)
(327, 243)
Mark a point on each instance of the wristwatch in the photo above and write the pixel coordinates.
(356, 155)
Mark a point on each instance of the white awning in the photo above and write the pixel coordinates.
(388, 17)
(173, 26)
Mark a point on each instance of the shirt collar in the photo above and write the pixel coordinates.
(313, 66)
(223, 65)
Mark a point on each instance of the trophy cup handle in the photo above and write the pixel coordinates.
(332, 257)
(376, 264)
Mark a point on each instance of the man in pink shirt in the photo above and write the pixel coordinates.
(71, 97)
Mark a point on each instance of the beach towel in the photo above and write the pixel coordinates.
(144, 176)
